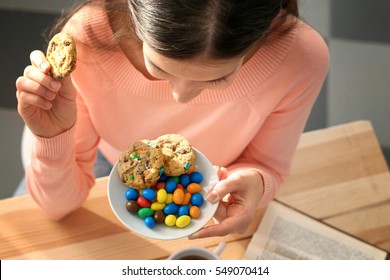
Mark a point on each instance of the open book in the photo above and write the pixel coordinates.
(285, 233)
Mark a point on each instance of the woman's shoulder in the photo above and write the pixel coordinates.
(309, 49)
(299, 51)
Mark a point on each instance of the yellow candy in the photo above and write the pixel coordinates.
(170, 220)
(157, 206)
(183, 221)
(162, 196)
(169, 198)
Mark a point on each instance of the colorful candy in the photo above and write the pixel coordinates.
(170, 220)
(194, 212)
(149, 193)
(159, 216)
(174, 201)
(196, 177)
(131, 194)
(171, 209)
(145, 212)
(194, 188)
(143, 202)
(183, 221)
(184, 180)
(170, 186)
(162, 195)
(197, 199)
(149, 222)
(178, 196)
(155, 206)
(183, 210)
(132, 206)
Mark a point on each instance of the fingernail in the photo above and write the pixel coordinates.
(55, 85)
(212, 196)
(193, 236)
(51, 95)
(43, 66)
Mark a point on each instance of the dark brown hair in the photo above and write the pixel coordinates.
(212, 28)
(217, 29)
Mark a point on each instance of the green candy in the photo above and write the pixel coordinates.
(145, 212)
(133, 156)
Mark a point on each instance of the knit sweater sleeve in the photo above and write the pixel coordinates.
(60, 173)
(271, 150)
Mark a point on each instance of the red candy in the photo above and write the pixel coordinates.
(143, 202)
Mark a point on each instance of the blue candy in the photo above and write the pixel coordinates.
(183, 210)
(196, 177)
(171, 208)
(149, 194)
(170, 186)
(149, 222)
(184, 180)
(197, 199)
(131, 194)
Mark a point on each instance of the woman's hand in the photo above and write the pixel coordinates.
(47, 106)
(240, 193)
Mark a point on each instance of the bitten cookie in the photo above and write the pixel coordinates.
(141, 165)
(62, 56)
(178, 154)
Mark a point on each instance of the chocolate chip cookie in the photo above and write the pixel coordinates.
(177, 152)
(62, 56)
(141, 165)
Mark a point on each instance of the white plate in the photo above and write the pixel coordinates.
(117, 198)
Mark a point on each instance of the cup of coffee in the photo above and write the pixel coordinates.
(198, 253)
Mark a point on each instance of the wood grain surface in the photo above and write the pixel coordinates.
(338, 176)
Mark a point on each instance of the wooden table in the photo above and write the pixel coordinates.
(339, 176)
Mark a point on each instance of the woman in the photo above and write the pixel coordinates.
(237, 78)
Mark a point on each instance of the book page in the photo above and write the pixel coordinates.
(287, 234)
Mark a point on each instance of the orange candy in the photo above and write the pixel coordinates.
(192, 169)
(178, 196)
(187, 198)
(194, 188)
(194, 212)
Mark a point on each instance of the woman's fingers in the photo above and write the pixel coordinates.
(34, 74)
(224, 187)
(222, 172)
(36, 88)
(236, 221)
(38, 59)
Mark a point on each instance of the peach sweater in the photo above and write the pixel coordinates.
(255, 123)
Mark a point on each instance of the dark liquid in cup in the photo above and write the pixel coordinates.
(193, 257)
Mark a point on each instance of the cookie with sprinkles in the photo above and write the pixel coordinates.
(62, 56)
(141, 165)
(177, 152)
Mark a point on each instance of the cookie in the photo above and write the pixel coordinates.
(177, 152)
(141, 165)
(61, 54)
